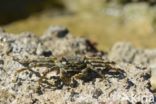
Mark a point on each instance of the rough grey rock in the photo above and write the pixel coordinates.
(132, 84)
(55, 32)
(126, 52)
(122, 52)
(58, 40)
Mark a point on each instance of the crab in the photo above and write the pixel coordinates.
(69, 69)
(84, 68)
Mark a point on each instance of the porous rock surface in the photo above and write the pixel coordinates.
(126, 52)
(131, 85)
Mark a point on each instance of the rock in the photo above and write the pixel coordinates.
(122, 52)
(59, 41)
(56, 32)
(126, 52)
(131, 88)
(137, 15)
(35, 70)
(151, 2)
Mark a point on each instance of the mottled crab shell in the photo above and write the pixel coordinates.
(73, 64)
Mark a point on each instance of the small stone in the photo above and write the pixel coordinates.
(97, 93)
(57, 31)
